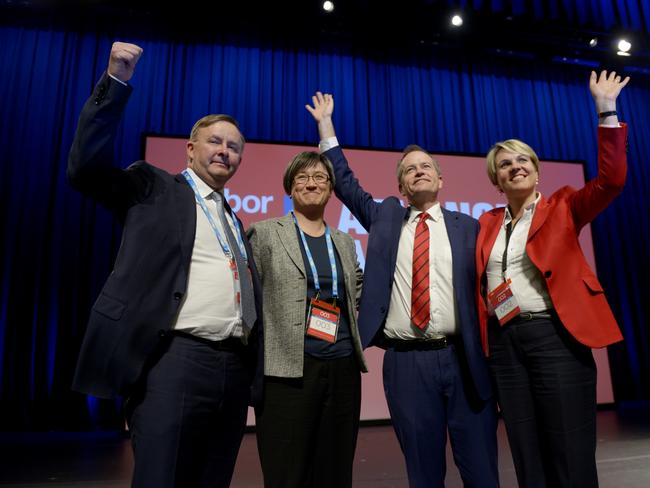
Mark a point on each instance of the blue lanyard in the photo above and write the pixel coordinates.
(224, 242)
(312, 265)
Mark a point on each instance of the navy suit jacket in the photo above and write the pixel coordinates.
(383, 221)
(137, 305)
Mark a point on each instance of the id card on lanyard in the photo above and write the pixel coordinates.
(501, 299)
(223, 242)
(504, 302)
(322, 317)
(323, 320)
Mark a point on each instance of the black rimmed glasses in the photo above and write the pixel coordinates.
(319, 178)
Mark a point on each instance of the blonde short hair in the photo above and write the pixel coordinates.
(511, 145)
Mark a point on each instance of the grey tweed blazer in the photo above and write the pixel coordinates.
(276, 251)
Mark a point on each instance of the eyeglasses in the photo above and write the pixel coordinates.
(319, 178)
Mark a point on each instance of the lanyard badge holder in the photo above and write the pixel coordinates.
(501, 299)
(322, 317)
(223, 242)
(504, 302)
(323, 320)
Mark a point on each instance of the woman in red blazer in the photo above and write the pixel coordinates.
(542, 307)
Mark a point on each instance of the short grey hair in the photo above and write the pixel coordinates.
(408, 150)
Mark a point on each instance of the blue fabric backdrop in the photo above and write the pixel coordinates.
(57, 248)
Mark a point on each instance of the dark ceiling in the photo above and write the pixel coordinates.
(560, 29)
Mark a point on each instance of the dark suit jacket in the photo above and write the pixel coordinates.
(142, 295)
(384, 222)
(553, 246)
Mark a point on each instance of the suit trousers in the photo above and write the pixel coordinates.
(187, 418)
(307, 427)
(546, 387)
(427, 397)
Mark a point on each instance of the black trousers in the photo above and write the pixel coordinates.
(546, 386)
(188, 417)
(307, 427)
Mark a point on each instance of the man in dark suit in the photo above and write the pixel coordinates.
(418, 302)
(175, 329)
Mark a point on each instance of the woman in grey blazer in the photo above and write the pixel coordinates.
(308, 421)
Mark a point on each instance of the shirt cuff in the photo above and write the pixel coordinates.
(327, 144)
(119, 81)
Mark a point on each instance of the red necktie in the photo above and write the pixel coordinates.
(420, 299)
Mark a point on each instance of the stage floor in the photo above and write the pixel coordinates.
(83, 460)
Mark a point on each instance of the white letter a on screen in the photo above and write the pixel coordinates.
(349, 222)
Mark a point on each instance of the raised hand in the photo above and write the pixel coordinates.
(124, 57)
(605, 89)
(323, 106)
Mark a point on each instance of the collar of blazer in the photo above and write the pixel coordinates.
(288, 236)
(493, 220)
(450, 218)
(185, 214)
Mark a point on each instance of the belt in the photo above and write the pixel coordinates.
(232, 344)
(432, 344)
(526, 316)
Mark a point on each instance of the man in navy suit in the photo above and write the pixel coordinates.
(175, 329)
(435, 376)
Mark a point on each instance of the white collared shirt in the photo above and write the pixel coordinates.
(209, 309)
(443, 314)
(443, 311)
(528, 285)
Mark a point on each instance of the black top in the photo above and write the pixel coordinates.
(313, 346)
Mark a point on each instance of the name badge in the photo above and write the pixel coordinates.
(323, 320)
(504, 302)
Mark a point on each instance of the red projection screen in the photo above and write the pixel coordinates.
(255, 193)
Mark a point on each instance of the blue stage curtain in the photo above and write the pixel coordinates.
(57, 248)
(600, 15)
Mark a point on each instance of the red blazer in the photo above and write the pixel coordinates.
(553, 247)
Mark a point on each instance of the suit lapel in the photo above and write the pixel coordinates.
(488, 235)
(347, 263)
(455, 240)
(339, 244)
(185, 213)
(539, 217)
(288, 237)
(395, 233)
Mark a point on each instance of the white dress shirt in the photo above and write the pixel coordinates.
(528, 285)
(443, 314)
(209, 309)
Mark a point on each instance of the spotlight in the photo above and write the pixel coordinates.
(456, 20)
(593, 42)
(328, 6)
(624, 45)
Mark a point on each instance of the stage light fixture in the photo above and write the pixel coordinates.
(624, 47)
(456, 20)
(328, 6)
(593, 42)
